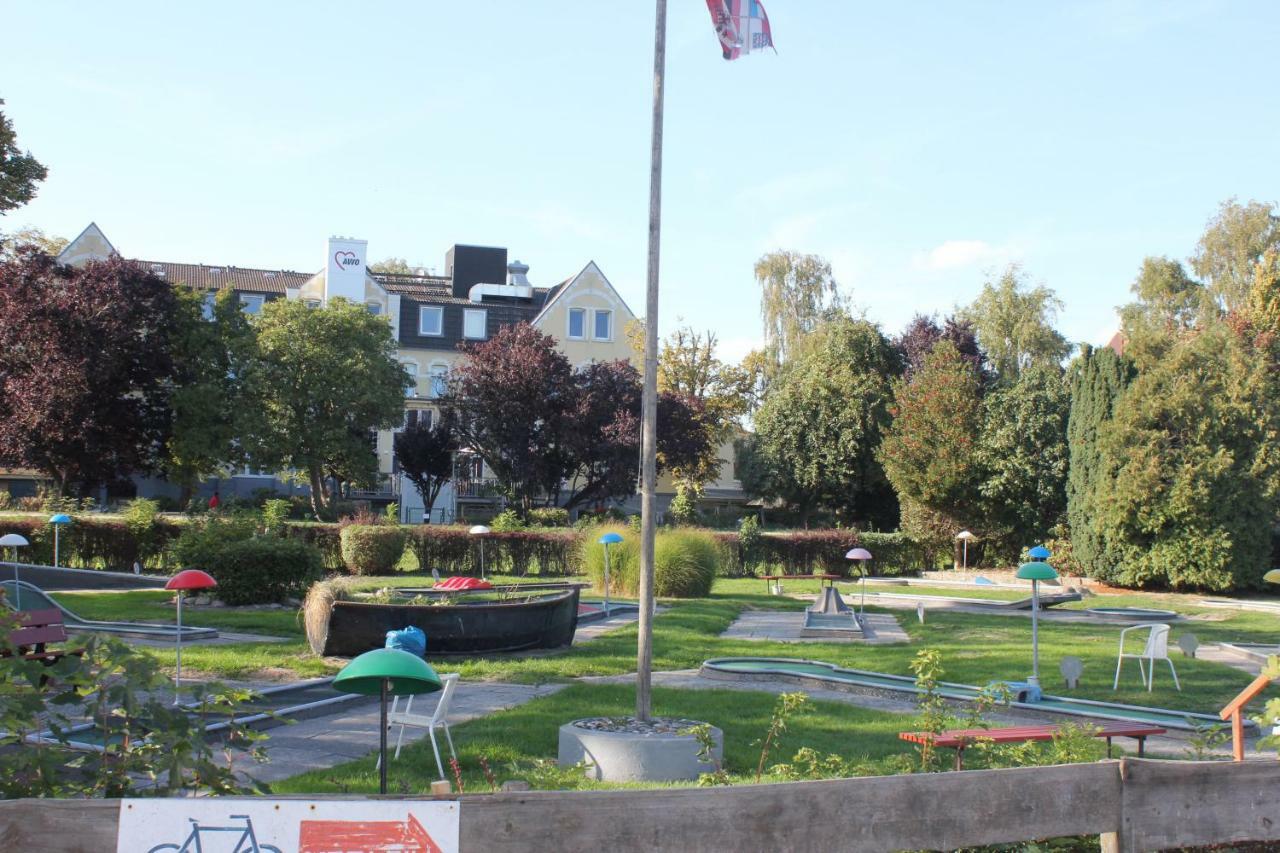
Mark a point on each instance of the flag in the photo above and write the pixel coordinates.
(742, 26)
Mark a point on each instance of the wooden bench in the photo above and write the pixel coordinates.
(36, 629)
(958, 739)
(769, 579)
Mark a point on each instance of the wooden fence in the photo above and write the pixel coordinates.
(1134, 804)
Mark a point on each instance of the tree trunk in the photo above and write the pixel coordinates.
(317, 491)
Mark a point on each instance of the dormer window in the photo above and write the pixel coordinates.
(251, 303)
(577, 323)
(431, 320)
(603, 330)
(373, 308)
(474, 321)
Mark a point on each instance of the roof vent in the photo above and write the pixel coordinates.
(516, 274)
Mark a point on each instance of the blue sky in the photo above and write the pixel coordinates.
(917, 146)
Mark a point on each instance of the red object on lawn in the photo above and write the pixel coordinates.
(463, 583)
(191, 579)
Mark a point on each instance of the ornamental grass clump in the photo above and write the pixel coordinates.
(685, 562)
(318, 606)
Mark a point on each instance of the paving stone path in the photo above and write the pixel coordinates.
(784, 626)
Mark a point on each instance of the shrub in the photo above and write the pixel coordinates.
(549, 516)
(264, 569)
(325, 538)
(369, 549)
(683, 508)
(894, 554)
(506, 520)
(202, 542)
(447, 549)
(275, 513)
(685, 562)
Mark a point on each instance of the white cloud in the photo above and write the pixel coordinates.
(959, 254)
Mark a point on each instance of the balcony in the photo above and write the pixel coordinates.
(480, 489)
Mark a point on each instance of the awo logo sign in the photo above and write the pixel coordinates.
(346, 260)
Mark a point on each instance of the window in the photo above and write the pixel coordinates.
(430, 320)
(373, 308)
(473, 323)
(312, 303)
(251, 303)
(604, 326)
(206, 306)
(425, 417)
(438, 377)
(412, 369)
(577, 323)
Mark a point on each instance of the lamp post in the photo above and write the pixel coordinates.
(182, 581)
(13, 542)
(481, 531)
(861, 555)
(606, 540)
(1035, 572)
(57, 521)
(383, 673)
(964, 536)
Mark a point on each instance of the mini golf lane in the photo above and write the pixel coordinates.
(25, 596)
(828, 674)
(269, 707)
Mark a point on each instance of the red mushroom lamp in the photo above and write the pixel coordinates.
(182, 581)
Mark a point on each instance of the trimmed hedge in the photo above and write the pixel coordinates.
(804, 552)
(372, 549)
(452, 550)
(324, 537)
(91, 542)
(264, 569)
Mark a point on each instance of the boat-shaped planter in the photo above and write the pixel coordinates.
(546, 621)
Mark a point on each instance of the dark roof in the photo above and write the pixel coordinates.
(203, 277)
(438, 290)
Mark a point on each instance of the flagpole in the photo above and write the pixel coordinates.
(649, 399)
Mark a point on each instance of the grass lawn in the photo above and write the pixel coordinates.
(975, 648)
(513, 742)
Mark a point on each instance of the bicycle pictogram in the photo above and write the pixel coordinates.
(247, 843)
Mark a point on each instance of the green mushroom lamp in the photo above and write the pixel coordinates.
(1035, 572)
(383, 673)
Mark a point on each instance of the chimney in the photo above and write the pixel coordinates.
(516, 274)
(471, 265)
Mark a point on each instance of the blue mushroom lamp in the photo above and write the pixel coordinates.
(1035, 572)
(606, 540)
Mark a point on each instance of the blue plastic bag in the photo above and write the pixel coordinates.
(410, 640)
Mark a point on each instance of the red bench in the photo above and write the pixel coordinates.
(768, 579)
(958, 739)
(36, 629)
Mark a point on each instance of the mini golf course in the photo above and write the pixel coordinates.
(1046, 600)
(20, 595)
(831, 676)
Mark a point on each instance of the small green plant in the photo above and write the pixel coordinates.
(810, 764)
(935, 714)
(707, 755)
(1204, 739)
(683, 508)
(506, 521)
(788, 705)
(749, 536)
(391, 513)
(140, 517)
(549, 516)
(275, 513)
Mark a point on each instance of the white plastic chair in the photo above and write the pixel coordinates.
(439, 718)
(1157, 648)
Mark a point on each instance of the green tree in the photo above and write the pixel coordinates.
(1169, 303)
(1023, 453)
(213, 348)
(319, 383)
(1264, 294)
(929, 452)
(821, 423)
(1190, 466)
(30, 236)
(1097, 379)
(1233, 241)
(1014, 324)
(394, 266)
(19, 171)
(688, 367)
(797, 292)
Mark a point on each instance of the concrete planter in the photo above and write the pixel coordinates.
(620, 756)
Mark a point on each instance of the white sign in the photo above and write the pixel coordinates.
(262, 825)
(345, 268)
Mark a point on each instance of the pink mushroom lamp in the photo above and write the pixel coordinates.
(181, 582)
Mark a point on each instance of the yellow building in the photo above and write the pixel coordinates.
(430, 316)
